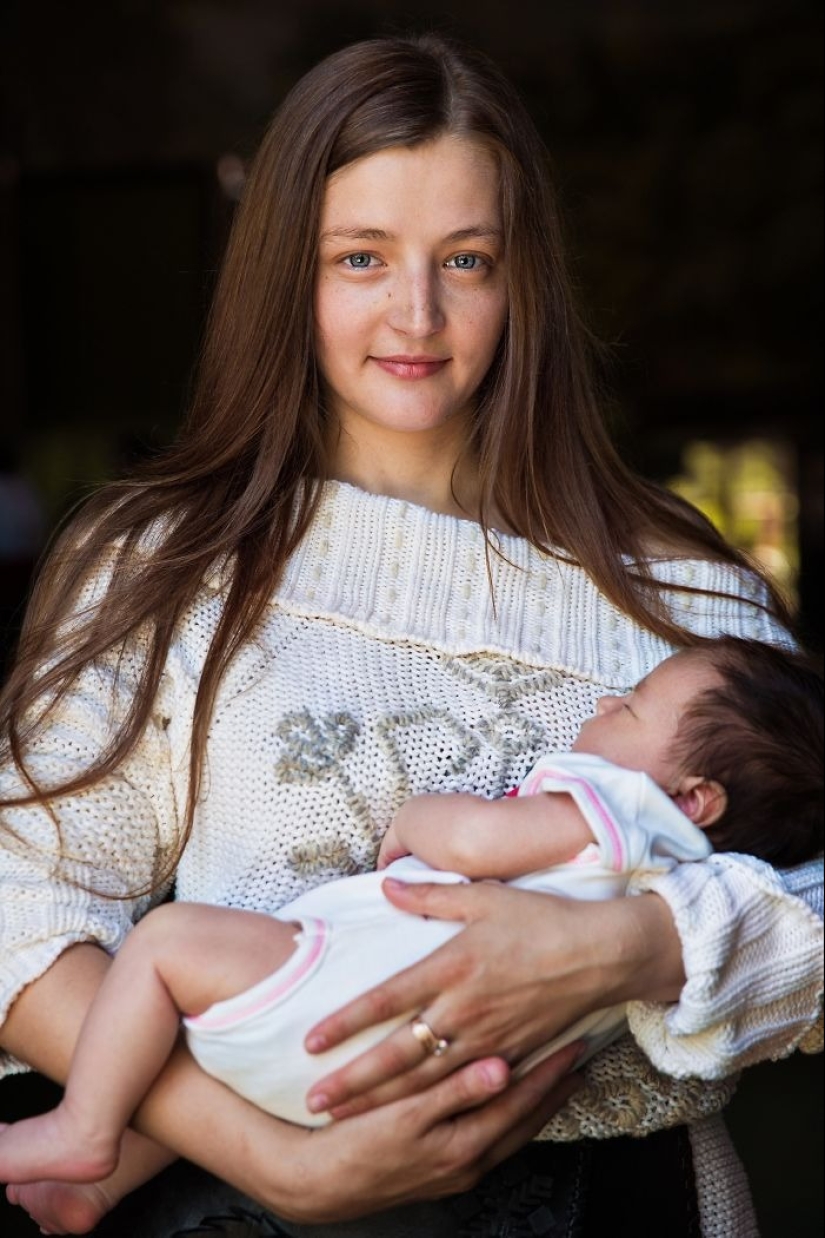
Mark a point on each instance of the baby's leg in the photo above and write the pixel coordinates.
(77, 1207)
(180, 959)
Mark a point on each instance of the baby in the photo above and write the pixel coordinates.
(720, 747)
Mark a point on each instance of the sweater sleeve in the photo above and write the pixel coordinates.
(752, 942)
(752, 938)
(69, 872)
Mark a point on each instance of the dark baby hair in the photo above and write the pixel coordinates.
(760, 734)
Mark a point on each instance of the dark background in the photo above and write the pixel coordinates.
(686, 136)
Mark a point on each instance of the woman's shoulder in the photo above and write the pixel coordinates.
(394, 571)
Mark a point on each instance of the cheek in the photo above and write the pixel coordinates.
(599, 737)
(338, 309)
(477, 349)
(587, 739)
(477, 314)
(490, 328)
(338, 330)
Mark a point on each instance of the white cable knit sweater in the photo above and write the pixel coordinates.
(384, 668)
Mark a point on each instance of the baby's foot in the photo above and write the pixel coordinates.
(51, 1146)
(62, 1207)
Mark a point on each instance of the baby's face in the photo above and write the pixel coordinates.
(637, 730)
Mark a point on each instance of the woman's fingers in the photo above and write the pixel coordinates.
(531, 1103)
(441, 901)
(509, 983)
(416, 1149)
(397, 1066)
(465, 1089)
(453, 990)
(362, 1085)
(479, 1135)
(410, 989)
(436, 1143)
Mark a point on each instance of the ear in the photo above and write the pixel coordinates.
(702, 800)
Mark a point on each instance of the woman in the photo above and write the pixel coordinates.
(393, 551)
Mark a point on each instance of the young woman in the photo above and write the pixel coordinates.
(393, 551)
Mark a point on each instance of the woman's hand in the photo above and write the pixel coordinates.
(427, 1146)
(421, 1147)
(525, 968)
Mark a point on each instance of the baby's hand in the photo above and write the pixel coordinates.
(391, 848)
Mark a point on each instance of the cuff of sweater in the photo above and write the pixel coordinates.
(753, 957)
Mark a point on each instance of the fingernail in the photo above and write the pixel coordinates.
(317, 1103)
(395, 884)
(316, 1043)
(494, 1074)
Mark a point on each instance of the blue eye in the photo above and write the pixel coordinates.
(358, 262)
(465, 262)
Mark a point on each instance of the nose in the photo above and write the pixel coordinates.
(607, 704)
(415, 304)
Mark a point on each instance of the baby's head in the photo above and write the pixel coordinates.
(732, 729)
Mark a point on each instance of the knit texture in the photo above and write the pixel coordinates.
(386, 665)
(726, 1210)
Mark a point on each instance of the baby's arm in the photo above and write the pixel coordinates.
(501, 838)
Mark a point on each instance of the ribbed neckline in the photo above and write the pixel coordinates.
(397, 571)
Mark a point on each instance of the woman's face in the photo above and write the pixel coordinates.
(411, 297)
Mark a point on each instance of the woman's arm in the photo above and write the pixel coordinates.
(434, 1144)
(66, 883)
(753, 957)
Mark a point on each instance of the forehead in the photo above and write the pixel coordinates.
(680, 677)
(449, 175)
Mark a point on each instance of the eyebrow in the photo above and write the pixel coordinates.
(361, 233)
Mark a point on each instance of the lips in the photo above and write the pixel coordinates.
(411, 367)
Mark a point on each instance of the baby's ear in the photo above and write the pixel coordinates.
(702, 800)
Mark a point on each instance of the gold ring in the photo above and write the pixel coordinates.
(426, 1037)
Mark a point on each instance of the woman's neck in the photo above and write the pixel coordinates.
(424, 469)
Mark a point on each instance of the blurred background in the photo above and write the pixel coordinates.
(687, 142)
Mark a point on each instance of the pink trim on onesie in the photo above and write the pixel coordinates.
(310, 946)
(533, 787)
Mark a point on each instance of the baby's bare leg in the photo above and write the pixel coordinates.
(180, 959)
(77, 1207)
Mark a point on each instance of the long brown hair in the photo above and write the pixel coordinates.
(241, 483)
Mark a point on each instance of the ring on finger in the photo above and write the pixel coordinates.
(432, 1044)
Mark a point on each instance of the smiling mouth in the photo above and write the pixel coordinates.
(411, 367)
